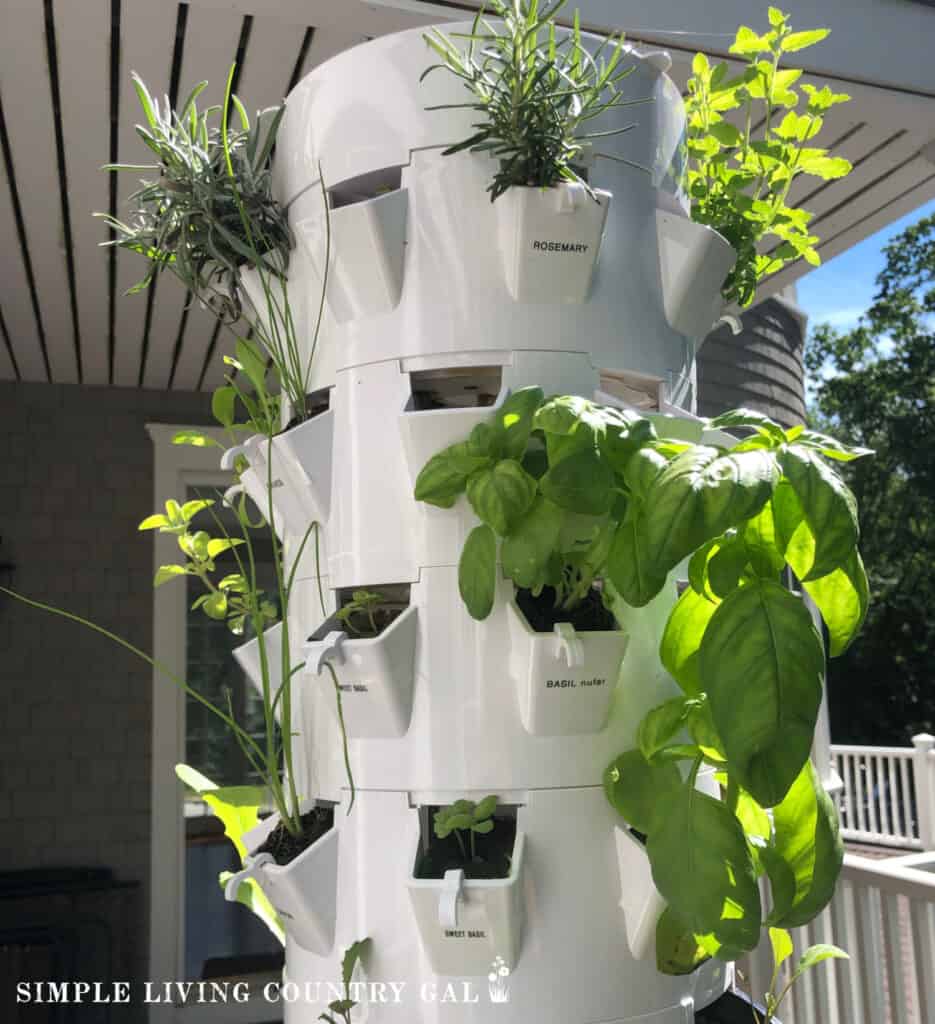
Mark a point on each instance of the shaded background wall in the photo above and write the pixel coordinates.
(760, 368)
(76, 477)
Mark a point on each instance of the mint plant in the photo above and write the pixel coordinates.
(535, 91)
(738, 178)
(742, 648)
(468, 817)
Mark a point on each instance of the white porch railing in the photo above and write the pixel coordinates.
(883, 915)
(889, 794)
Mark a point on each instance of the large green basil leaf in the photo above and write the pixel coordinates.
(727, 564)
(446, 474)
(678, 951)
(702, 867)
(761, 664)
(629, 565)
(701, 494)
(642, 468)
(843, 597)
(515, 419)
(792, 533)
(526, 549)
(757, 421)
(640, 792)
(781, 883)
(681, 639)
(828, 505)
(662, 722)
(581, 482)
(619, 444)
(477, 571)
(759, 536)
(830, 447)
(807, 837)
(502, 495)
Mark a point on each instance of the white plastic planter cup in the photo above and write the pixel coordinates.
(248, 657)
(550, 239)
(694, 261)
(425, 432)
(464, 923)
(376, 675)
(303, 892)
(368, 251)
(566, 679)
(300, 473)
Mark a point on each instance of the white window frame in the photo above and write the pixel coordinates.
(175, 469)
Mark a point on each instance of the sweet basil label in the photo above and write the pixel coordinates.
(354, 688)
(462, 933)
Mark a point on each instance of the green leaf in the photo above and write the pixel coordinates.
(828, 505)
(254, 899)
(501, 496)
(677, 950)
(830, 447)
(661, 723)
(221, 544)
(641, 792)
(757, 421)
(154, 522)
(526, 549)
(352, 957)
(168, 572)
(781, 881)
(215, 607)
(725, 133)
(759, 538)
(196, 439)
(700, 495)
(581, 482)
(630, 567)
(252, 364)
(681, 639)
(702, 867)
(748, 42)
(843, 598)
(222, 405)
(761, 663)
(825, 167)
(477, 571)
(781, 941)
(515, 418)
(444, 477)
(753, 819)
(807, 837)
(799, 40)
(815, 955)
(726, 565)
(238, 807)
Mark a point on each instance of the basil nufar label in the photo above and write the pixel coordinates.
(354, 688)
(573, 684)
(462, 933)
(573, 247)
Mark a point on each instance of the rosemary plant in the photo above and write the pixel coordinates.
(209, 215)
(536, 91)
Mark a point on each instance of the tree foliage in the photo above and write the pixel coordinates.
(875, 386)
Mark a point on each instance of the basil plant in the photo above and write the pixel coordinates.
(731, 521)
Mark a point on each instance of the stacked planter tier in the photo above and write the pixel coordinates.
(433, 290)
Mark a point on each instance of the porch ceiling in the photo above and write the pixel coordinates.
(66, 107)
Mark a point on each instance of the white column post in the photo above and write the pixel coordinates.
(925, 787)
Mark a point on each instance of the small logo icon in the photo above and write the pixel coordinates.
(499, 981)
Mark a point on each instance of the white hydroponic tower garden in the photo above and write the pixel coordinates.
(438, 304)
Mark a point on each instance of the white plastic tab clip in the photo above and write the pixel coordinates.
(452, 885)
(319, 651)
(253, 866)
(567, 643)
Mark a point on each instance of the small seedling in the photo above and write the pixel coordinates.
(781, 941)
(364, 602)
(466, 816)
(341, 1008)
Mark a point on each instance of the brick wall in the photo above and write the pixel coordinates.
(76, 469)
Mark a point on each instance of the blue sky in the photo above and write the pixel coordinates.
(840, 290)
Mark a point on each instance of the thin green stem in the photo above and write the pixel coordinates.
(347, 756)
